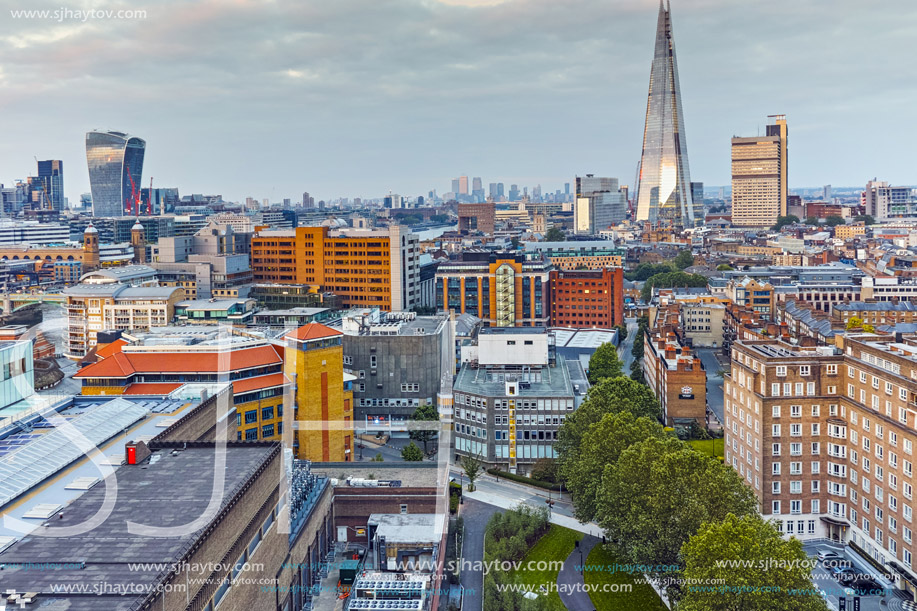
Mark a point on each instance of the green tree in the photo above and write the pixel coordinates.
(724, 267)
(610, 396)
(867, 328)
(424, 413)
(709, 554)
(515, 242)
(854, 323)
(659, 493)
(604, 363)
(865, 218)
(545, 469)
(811, 220)
(833, 220)
(377, 458)
(782, 221)
(670, 280)
(554, 234)
(636, 372)
(472, 468)
(411, 452)
(684, 259)
(644, 271)
(602, 445)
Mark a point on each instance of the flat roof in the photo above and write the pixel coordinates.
(513, 330)
(408, 527)
(554, 381)
(154, 495)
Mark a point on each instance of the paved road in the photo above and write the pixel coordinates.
(475, 515)
(576, 598)
(833, 590)
(708, 357)
(628, 344)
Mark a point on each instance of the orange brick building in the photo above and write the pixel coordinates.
(588, 298)
(365, 268)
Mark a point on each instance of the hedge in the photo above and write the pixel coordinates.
(525, 480)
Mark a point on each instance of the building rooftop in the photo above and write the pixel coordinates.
(551, 381)
(201, 359)
(312, 331)
(408, 528)
(165, 492)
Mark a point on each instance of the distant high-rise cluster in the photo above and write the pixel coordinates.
(599, 204)
(664, 179)
(115, 162)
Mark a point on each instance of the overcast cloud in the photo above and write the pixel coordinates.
(357, 97)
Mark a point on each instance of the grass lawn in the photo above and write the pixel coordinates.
(641, 598)
(556, 544)
(710, 447)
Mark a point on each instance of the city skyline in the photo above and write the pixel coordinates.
(185, 101)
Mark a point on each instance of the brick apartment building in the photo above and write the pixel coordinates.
(587, 298)
(825, 436)
(675, 375)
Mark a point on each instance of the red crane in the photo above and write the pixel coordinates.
(135, 195)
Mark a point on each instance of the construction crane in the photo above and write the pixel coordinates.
(135, 195)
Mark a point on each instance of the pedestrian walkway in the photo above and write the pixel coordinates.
(570, 582)
(556, 518)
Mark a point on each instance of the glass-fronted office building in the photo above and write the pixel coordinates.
(115, 159)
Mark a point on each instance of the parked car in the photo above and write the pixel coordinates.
(824, 553)
(844, 574)
(865, 587)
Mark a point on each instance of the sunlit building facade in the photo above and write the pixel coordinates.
(664, 180)
(115, 161)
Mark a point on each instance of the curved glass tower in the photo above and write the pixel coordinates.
(664, 180)
(111, 155)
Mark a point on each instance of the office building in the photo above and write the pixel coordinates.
(51, 176)
(599, 204)
(462, 185)
(115, 162)
(664, 179)
(480, 217)
(588, 298)
(514, 193)
(314, 362)
(399, 360)
(511, 396)
(759, 175)
(884, 201)
(364, 268)
(504, 289)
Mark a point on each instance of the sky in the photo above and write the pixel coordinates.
(356, 98)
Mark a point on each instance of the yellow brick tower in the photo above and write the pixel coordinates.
(314, 357)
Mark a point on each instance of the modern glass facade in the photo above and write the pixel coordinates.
(114, 159)
(51, 175)
(664, 181)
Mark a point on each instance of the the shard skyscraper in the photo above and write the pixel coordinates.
(664, 181)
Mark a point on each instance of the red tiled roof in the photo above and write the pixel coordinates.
(124, 364)
(312, 331)
(162, 388)
(110, 349)
(258, 383)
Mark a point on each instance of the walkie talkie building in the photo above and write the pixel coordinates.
(114, 159)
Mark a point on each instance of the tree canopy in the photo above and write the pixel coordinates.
(645, 271)
(424, 413)
(411, 452)
(659, 493)
(811, 220)
(554, 234)
(834, 220)
(786, 585)
(782, 221)
(684, 259)
(602, 445)
(604, 363)
(865, 218)
(670, 280)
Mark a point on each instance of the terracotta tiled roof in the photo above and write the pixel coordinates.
(258, 383)
(124, 364)
(163, 388)
(312, 331)
(110, 349)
